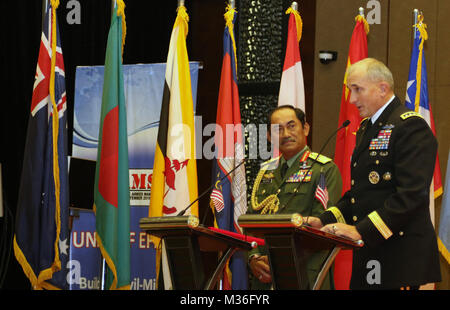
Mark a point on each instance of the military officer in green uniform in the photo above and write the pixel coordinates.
(288, 184)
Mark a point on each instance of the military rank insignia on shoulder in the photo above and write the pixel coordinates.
(270, 164)
(409, 114)
(319, 158)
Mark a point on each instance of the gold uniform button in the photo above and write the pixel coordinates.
(354, 164)
(355, 218)
(263, 191)
(377, 162)
(352, 200)
(401, 233)
(353, 182)
(278, 191)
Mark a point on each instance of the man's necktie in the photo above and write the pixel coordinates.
(284, 168)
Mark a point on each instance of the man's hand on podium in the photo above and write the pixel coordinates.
(314, 222)
(338, 229)
(260, 268)
(343, 230)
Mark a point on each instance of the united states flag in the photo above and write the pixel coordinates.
(321, 191)
(217, 199)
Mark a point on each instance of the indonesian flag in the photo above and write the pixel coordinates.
(346, 140)
(292, 91)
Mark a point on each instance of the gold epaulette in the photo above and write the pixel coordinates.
(409, 114)
(321, 159)
(270, 161)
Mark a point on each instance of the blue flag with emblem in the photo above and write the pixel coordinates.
(444, 222)
(417, 98)
(41, 232)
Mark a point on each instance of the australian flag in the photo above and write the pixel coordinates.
(41, 237)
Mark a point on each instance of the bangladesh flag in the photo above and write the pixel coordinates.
(111, 192)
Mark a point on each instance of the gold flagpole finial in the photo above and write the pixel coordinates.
(294, 6)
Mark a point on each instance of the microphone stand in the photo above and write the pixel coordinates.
(181, 213)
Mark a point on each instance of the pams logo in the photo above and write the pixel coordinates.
(140, 179)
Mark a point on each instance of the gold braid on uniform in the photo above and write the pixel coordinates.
(270, 203)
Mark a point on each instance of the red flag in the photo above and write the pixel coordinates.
(346, 139)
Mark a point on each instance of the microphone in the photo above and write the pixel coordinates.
(344, 124)
(181, 213)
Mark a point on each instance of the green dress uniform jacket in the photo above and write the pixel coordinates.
(292, 200)
(388, 202)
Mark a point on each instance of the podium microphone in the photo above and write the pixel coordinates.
(344, 124)
(181, 213)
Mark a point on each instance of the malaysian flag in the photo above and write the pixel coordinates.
(321, 191)
(41, 233)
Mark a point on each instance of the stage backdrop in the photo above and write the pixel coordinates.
(144, 84)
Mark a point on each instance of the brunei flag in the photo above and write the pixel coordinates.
(346, 140)
(292, 91)
(229, 197)
(174, 180)
(111, 192)
(41, 238)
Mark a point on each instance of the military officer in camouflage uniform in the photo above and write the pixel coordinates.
(288, 184)
(387, 205)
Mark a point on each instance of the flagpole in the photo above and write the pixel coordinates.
(44, 10)
(416, 16)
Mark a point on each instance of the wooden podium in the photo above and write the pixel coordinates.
(184, 241)
(289, 242)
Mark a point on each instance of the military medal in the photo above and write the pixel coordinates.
(374, 177)
(387, 176)
(303, 175)
(381, 142)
